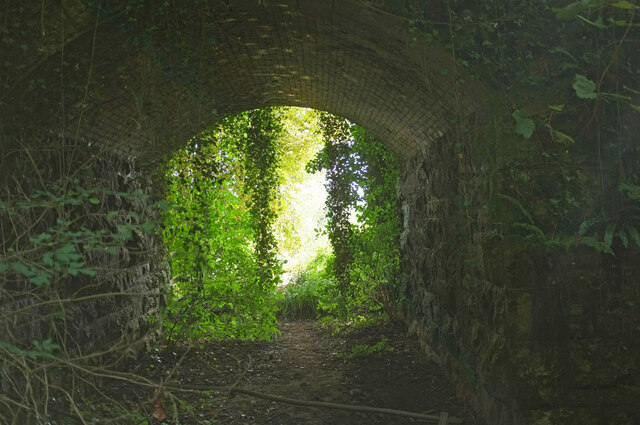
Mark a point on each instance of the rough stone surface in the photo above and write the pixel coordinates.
(530, 337)
(136, 272)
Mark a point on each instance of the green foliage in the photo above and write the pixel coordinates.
(62, 233)
(219, 233)
(585, 88)
(569, 68)
(300, 301)
(298, 143)
(261, 181)
(337, 159)
(310, 291)
(41, 349)
(376, 265)
(366, 256)
(364, 350)
(352, 322)
(524, 125)
(55, 252)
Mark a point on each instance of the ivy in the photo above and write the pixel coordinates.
(219, 232)
(361, 177)
(261, 163)
(341, 166)
(585, 88)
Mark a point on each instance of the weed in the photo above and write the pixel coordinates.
(365, 350)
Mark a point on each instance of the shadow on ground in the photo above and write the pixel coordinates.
(377, 365)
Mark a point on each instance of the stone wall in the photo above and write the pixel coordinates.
(529, 336)
(107, 309)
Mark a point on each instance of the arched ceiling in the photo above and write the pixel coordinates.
(146, 76)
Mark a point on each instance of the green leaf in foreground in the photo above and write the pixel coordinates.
(524, 125)
(585, 88)
(624, 5)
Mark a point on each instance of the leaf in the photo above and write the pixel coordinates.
(42, 349)
(88, 272)
(622, 235)
(596, 244)
(22, 269)
(517, 204)
(632, 190)
(630, 89)
(573, 9)
(67, 253)
(585, 88)
(524, 125)
(563, 51)
(164, 205)
(42, 237)
(634, 107)
(111, 215)
(557, 108)
(635, 235)
(148, 226)
(623, 5)
(608, 234)
(41, 278)
(598, 24)
(616, 96)
(94, 201)
(3, 267)
(586, 225)
(534, 230)
(160, 413)
(560, 137)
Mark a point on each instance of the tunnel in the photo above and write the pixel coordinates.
(528, 335)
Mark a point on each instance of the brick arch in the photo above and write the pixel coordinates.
(144, 85)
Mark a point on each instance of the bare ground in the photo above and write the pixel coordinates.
(305, 362)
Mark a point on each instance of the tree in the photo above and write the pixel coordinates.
(361, 178)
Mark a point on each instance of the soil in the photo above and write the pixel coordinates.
(310, 363)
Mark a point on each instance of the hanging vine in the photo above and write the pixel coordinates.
(362, 215)
(261, 163)
(219, 234)
(337, 159)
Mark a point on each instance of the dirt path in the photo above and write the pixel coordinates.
(308, 363)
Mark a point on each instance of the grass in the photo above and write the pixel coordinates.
(364, 350)
(300, 301)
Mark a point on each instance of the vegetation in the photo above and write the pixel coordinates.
(62, 234)
(225, 190)
(220, 232)
(559, 144)
(557, 171)
(361, 179)
(306, 294)
(365, 350)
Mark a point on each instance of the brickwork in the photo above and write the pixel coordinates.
(143, 94)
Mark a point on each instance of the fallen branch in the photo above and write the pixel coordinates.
(327, 405)
(441, 419)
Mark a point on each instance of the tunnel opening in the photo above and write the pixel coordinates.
(232, 191)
